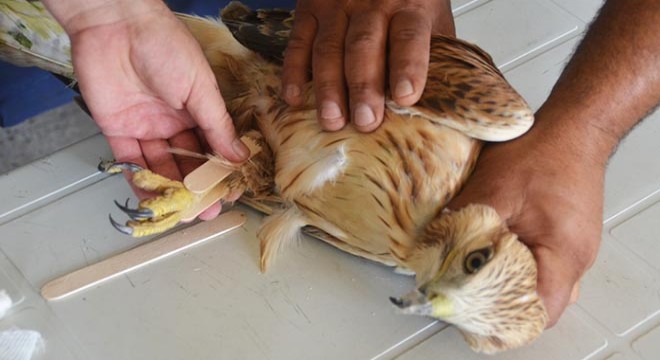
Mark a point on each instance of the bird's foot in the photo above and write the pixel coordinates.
(214, 181)
(154, 215)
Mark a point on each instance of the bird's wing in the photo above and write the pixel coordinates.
(467, 92)
(464, 89)
(265, 32)
(29, 36)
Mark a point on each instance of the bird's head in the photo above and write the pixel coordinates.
(475, 273)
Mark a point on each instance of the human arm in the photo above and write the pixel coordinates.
(146, 82)
(345, 43)
(548, 184)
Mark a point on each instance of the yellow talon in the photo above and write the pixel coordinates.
(179, 201)
(154, 215)
(147, 180)
(150, 227)
(172, 200)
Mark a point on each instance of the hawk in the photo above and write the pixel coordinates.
(380, 196)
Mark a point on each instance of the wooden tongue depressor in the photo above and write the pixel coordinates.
(204, 181)
(142, 255)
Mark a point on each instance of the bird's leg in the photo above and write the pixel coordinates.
(153, 215)
(183, 201)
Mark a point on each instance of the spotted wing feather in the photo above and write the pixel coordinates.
(264, 31)
(467, 92)
(30, 36)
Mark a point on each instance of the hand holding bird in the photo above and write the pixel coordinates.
(351, 46)
(133, 62)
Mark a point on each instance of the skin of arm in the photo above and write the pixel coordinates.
(147, 84)
(549, 183)
(345, 44)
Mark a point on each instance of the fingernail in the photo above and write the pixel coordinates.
(363, 116)
(403, 88)
(332, 124)
(330, 110)
(291, 91)
(240, 149)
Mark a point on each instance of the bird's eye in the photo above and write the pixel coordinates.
(477, 259)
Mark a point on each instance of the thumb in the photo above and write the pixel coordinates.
(207, 108)
(556, 283)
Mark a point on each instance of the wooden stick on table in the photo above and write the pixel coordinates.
(139, 256)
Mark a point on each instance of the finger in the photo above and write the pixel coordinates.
(556, 281)
(214, 210)
(128, 149)
(206, 148)
(575, 294)
(410, 38)
(443, 21)
(365, 69)
(328, 71)
(208, 109)
(233, 196)
(187, 140)
(159, 159)
(211, 212)
(298, 57)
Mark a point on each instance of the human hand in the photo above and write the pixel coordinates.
(149, 87)
(345, 43)
(552, 197)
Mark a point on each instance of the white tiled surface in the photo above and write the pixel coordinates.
(648, 345)
(622, 356)
(51, 177)
(555, 343)
(30, 312)
(633, 172)
(316, 302)
(619, 291)
(642, 240)
(512, 31)
(461, 6)
(583, 9)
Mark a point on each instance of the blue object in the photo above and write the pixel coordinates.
(26, 92)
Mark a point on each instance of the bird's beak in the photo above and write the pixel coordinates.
(417, 302)
(414, 303)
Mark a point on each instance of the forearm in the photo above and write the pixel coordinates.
(612, 81)
(77, 15)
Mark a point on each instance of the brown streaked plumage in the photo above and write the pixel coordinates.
(381, 195)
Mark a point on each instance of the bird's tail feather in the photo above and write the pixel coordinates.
(277, 231)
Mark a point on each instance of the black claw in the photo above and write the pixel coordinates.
(104, 165)
(135, 214)
(121, 228)
(112, 167)
(397, 301)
